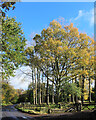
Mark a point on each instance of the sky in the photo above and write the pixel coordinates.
(35, 16)
(57, 0)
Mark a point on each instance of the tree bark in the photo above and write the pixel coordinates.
(39, 88)
(57, 92)
(95, 85)
(35, 87)
(47, 90)
(89, 90)
(53, 92)
(82, 96)
(72, 96)
(42, 95)
(76, 98)
(73, 99)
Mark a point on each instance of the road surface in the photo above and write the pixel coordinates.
(10, 113)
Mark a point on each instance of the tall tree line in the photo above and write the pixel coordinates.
(65, 57)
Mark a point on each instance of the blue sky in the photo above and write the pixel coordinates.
(35, 16)
(57, 0)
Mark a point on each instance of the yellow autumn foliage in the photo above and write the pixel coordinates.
(66, 46)
(60, 49)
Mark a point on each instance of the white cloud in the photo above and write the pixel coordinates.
(21, 80)
(95, 15)
(80, 14)
(91, 18)
(86, 15)
(31, 42)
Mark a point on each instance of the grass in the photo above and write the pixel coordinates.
(35, 111)
(41, 109)
(86, 107)
(5, 104)
(44, 108)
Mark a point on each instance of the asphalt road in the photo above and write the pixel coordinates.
(10, 113)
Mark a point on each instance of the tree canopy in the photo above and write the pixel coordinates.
(65, 54)
(13, 43)
(6, 7)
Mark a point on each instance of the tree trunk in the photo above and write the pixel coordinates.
(72, 96)
(73, 100)
(35, 88)
(39, 89)
(82, 96)
(47, 90)
(76, 98)
(53, 92)
(57, 92)
(95, 86)
(57, 80)
(89, 90)
(42, 95)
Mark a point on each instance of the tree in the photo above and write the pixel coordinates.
(63, 53)
(95, 76)
(85, 62)
(6, 7)
(39, 86)
(9, 94)
(30, 61)
(53, 92)
(13, 43)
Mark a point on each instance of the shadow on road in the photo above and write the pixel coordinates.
(74, 116)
